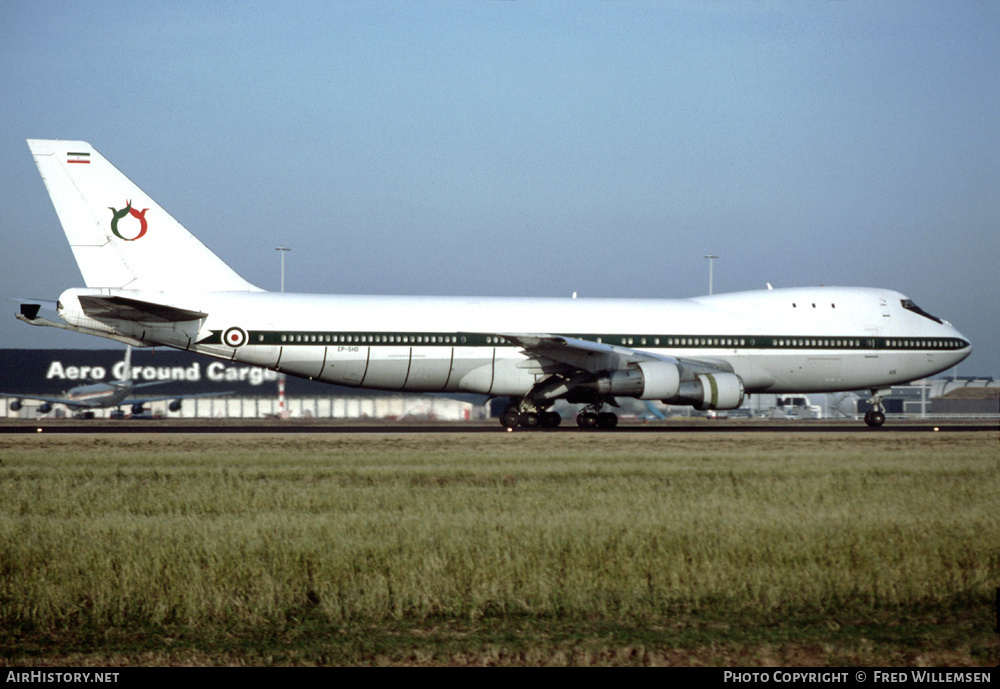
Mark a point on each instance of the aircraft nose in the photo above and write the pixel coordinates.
(964, 349)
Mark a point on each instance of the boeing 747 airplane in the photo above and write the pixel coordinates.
(82, 400)
(150, 282)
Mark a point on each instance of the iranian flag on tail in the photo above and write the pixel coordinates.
(72, 157)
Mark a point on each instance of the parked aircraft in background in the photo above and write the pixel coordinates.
(82, 400)
(150, 282)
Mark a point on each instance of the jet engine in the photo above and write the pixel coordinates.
(661, 380)
(175, 405)
(651, 380)
(712, 391)
(44, 408)
(15, 405)
(136, 408)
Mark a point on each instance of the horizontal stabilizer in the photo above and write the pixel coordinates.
(125, 309)
(30, 311)
(30, 307)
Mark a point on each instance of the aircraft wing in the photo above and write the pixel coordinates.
(52, 400)
(594, 357)
(609, 370)
(146, 400)
(597, 357)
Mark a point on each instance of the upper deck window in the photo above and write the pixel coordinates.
(910, 306)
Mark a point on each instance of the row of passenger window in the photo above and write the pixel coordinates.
(909, 343)
(310, 338)
(685, 341)
(803, 342)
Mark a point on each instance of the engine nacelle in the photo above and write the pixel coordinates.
(651, 380)
(44, 408)
(175, 405)
(15, 405)
(136, 408)
(661, 380)
(713, 391)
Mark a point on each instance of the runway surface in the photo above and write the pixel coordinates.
(490, 426)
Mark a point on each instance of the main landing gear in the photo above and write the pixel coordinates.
(513, 417)
(875, 417)
(592, 417)
(589, 418)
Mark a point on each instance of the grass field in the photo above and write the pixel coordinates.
(520, 548)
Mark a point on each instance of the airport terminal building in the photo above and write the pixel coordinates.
(242, 391)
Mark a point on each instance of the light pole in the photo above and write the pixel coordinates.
(283, 250)
(282, 411)
(711, 259)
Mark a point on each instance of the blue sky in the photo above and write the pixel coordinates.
(527, 148)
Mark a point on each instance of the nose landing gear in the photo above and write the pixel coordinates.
(875, 417)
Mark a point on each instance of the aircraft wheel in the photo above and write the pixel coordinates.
(607, 419)
(551, 419)
(529, 419)
(874, 418)
(510, 418)
(587, 420)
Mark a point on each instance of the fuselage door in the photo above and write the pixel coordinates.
(885, 308)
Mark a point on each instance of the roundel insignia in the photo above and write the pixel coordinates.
(235, 337)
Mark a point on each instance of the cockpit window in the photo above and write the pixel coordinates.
(910, 306)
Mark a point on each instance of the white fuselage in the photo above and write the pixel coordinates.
(787, 340)
(99, 395)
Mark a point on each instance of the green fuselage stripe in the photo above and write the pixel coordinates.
(716, 342)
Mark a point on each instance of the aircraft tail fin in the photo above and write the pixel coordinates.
(120, 237)
(127, 367)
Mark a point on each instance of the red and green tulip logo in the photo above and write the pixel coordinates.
(128, 210)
